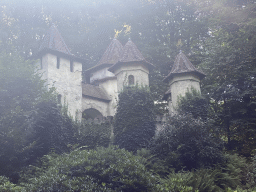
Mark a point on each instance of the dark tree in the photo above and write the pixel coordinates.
(134, 123)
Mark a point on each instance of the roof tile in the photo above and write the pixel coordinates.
(95, 92)
(54, 41)
(183, 65)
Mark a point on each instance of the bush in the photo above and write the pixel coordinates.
(7, 186)
(103, 169)
(134, 123)
(94, 135)
(51, 131)
(193, 103)
(188, 142)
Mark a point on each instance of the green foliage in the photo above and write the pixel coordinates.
(94, 135)
(187, 141)
(176, 182)
(193, 103)
(7, 186)
(21, 89)
(103, 169)
(51, 131)
(134, 122)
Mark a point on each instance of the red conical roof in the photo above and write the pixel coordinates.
(54, 41)
(183, 65)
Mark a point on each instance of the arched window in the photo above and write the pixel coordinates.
(130, 80)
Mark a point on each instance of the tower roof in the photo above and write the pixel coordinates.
(54, 41)
(131, 54)
(183, 65)
(110, 57)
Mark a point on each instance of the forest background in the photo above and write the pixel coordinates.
(217, 36)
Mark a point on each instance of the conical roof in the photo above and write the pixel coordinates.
(54, 41)
(183, 65)
(112, 54)
(131, 54)
(110, 57)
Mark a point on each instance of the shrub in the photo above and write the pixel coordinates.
(187, 141)
(193, 103)
(103, 169)
(94, 135)
(134, 123)
(51, 131)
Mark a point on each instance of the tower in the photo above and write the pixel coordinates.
(132, 68)
(62, 70)
(182, 77)
(100, 90)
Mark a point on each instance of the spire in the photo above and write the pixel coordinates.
(131, 53)
(112, 53)
(183, 65)
(54, 41)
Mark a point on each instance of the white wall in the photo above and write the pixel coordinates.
(110, 86)
(179, 85)
(139, 71)
(67, 83)
(101, 106)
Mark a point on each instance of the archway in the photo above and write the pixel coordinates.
(91, 114)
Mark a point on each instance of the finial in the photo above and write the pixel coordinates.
(180, 51)
(129, 39)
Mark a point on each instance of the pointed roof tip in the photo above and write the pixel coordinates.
(130, 54)
(54, 41)
(183, 65)
(110, 57)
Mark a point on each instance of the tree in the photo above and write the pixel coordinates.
(188, 142)
(20, 90)
(134, 122)
(193, 103)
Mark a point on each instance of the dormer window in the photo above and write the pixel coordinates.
(58, 62)
(130, 80)
(71, 66)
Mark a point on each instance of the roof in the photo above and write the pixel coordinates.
(110, 57)
(54, 41)
(183, 65)
(95, 92)
(131, 54)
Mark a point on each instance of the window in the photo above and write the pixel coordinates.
(59, 98)
(58, 62)
(71, 66)
(130, 80)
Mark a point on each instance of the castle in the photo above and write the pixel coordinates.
(119, 66)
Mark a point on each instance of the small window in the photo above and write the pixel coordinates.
(131, 80)
(58, 62)
(71, 66)
(41, 63)
(59, 98)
